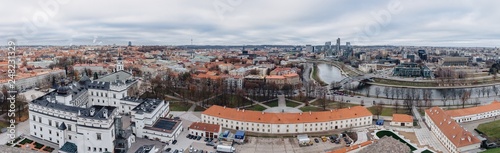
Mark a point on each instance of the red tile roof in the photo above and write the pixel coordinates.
(205, 127)
(402, 118)
(287, 118)
(495, 105)
(451, 129)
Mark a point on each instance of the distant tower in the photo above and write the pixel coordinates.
(129, 43)
(338, 45)
(119, 63)
(327, 48)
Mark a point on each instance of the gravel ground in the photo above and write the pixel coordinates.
(386, 145)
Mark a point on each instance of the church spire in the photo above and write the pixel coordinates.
(119, 63)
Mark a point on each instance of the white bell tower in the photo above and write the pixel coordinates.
(119, 63)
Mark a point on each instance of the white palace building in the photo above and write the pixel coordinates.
(86, 116)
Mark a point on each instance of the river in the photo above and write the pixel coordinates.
(329, 73)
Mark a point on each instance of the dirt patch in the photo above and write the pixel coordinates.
(412, 137)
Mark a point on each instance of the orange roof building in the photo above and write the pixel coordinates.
(453, 137)
(205, 129)
(283, 123)
(402, 120)
(475, 113)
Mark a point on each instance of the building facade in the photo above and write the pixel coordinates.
(85, 116)
(475, 113)
(287, 123)
(453, 137)
(205, 129)
(401, 120)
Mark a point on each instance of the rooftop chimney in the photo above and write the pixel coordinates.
(92, 111)
(105, 113)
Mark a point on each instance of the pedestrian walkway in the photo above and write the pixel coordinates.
(281, 101)
(362, 137)
(256, 102)
(424, 135)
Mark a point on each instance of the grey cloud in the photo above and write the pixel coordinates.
(297, 22)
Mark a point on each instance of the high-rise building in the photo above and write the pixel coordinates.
(337, 49)
(309, 48)
(328, 47)
(130, 43)
(422, 54)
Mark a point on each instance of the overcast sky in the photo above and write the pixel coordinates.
(252, 22)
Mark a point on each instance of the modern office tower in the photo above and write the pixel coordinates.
(129, 43)
(328, 48)
(309, 48)
(338, 45)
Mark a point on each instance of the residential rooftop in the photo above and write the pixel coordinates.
(495, 105)
(451, 129)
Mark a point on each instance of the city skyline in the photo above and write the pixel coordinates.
(398, 22)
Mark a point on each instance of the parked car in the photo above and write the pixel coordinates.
(324, 139)
(176, 151)
(189, 135)
(198, 138)
(316, 140)
(206, 139)
(168, 149)
(210, 144)
(174, 142)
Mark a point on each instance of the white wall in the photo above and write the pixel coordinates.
(288, 128)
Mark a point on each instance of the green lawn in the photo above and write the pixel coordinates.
(199, 109)
(260, 98)
(231, 101)
(256, 108)
(381, 134)
(385, 111)
(496, 150)
(491, 129)
(427, 151)
(179, 106)
(291, 104)
(273, 103)
(303, 99)
(4, 124)
(310, 108)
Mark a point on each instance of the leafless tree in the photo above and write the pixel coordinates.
(488, 90)
(495, 90)
(367, 90)
(392, 92)
(396, 106)
(378, 110)
(377, 91)
(465, 96)
(386, 92)
(477, 102)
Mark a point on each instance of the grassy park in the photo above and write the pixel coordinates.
(491, 129)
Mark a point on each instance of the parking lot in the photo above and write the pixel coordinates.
(283, 145)
(255, 144)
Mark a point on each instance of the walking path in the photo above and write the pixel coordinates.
(424, 135)
(257, 102)
(281, 108)
(281, 101)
